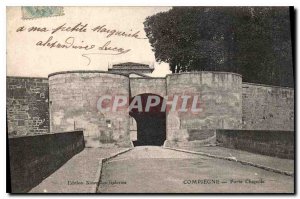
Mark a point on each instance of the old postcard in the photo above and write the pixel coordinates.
(150, 99)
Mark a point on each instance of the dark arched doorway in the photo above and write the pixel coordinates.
(151, 125)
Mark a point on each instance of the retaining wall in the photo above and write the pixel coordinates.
(33, 158)
(272, 143)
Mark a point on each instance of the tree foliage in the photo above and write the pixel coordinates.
(252, 41)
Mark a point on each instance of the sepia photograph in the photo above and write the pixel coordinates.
(150, 99)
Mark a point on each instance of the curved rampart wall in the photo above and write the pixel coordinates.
(219, 101)
(73, 106)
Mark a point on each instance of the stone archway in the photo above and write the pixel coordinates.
(151, 125)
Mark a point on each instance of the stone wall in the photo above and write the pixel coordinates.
(272, 143)
(220, 103)
(27, 106)
(268, 107)
(33, 158)
(73, 105)
(147, 85)
(225, 103)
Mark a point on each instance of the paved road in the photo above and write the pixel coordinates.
(157, 170)
(73, 175)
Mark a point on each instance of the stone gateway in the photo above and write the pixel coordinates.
(71, 104)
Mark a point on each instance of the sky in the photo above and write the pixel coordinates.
(29, 55)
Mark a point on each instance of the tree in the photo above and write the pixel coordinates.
(252, 41)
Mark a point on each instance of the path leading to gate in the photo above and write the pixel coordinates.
(157, 170)
(78, 174)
